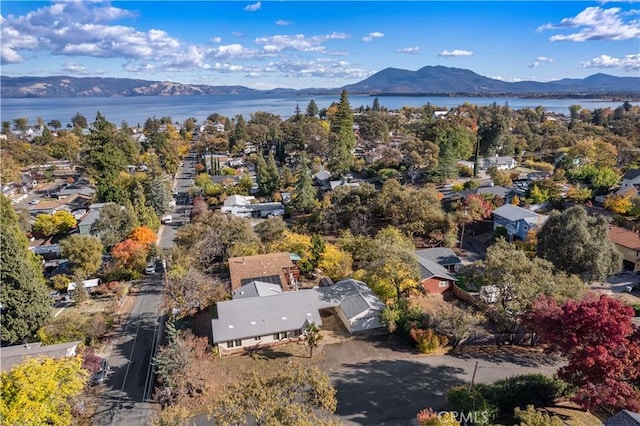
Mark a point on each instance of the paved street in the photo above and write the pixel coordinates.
(128, 390)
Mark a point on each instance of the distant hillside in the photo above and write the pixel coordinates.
(434, 80)
(62, 87)
(445, 80)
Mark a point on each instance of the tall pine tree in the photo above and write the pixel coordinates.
(343, 139)
(304, 196)
(25, 301)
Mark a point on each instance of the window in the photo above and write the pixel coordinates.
(443, 284)
(257, 338)
(231, 344)
(238, 342)
(276, 336)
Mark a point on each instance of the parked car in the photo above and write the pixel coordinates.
(101, 375)
(150, 269)
(34, 202)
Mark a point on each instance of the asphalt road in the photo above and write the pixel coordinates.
(127, 397)
(181, 212)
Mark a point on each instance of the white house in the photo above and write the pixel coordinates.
(88, 284)
(500, 163)
(242, 206)
(631, 178)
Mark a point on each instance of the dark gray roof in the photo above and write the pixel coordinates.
(624, 418)
(14, 355)
(261, 316)
(357, 302)
(429, 268)
(500, 191)
(631, 174)
(443, 256)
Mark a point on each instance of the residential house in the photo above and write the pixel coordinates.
(256, 320)
(256, 289)
(242, 206)
(500, 163)
(84, 226)
(88, 284)
(624, 418)
(517, 221)
(48, 251)
(628, 244)
(354, 303)
(340, 183)
(437, 269)
(322, 178)
(10, 356)
(273, 268)
(631, 178)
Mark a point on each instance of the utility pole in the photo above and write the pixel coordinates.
(464, 221)
(473, 377)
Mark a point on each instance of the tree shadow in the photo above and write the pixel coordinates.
(518, 355)
(392, 391)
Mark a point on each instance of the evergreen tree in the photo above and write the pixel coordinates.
(25, 301)
(262, 175)
(312, 109)
(343, 139)
(274, 175)
(577, 243)
(376, 104)
(297, 115)
(304, 196)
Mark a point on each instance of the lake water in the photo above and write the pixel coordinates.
(135, 110)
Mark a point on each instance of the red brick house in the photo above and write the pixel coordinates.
(437, 269)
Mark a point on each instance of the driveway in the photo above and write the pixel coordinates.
(379, 385)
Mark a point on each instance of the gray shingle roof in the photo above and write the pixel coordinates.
(256, 289)
(624, 418)
(514, 213)
(352, 296)
(261, 316)
(429, 268)
(13, 355)
(441, 255)
(631, 174)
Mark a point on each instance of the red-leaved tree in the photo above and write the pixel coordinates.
(601, 345)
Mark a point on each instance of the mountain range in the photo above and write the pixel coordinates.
(429, 80)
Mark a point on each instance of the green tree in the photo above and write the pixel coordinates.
(263, 179)
(25, 300)
(391, 269)
(57, 223)
(312, 109)
(294, 395)
(304, 195)
(520, 280)
(21, 123)
(312, 337)
(274, 175)
(158, 194)
(343, 138)
(577, 243)
(270, 230)
(532, 417)
(83, 252)
(114, 224)
(41, 391)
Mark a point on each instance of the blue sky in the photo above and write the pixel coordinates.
(300, 44)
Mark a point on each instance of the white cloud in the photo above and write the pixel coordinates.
(409, 50)
(253, 7)
(282, 22)
(455, 53)
(297, 42)
(237, 34)
(216, 39)
(627, 63)
(234, 51)
(371, 36)
(539, 60)
(317, 68)
(596, 23)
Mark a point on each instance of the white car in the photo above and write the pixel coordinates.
(34, 202)
(150, 269)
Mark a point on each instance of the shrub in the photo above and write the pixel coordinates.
(464, 171)
(60, 282)
(533, 417)
(473, 404)
(527, 389)
(539, 165)
(427, 340)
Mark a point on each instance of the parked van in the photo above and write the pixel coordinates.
(166, 219)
